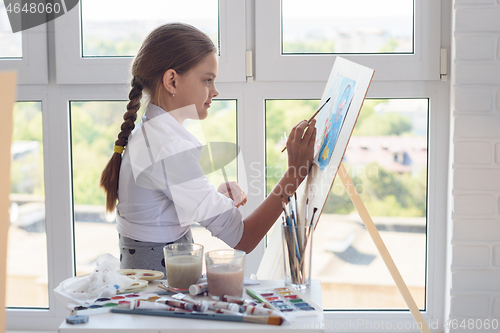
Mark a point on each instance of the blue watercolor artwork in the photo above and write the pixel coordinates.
(331, 119)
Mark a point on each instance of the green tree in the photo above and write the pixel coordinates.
(338, 201)
(385, 193)
(281, 117)
(384, 124)
(27, 122)
(370, 123)
(313, 46)
(394, 194)
(94, 128)
(27, 173)
(389, 46)
(95, 46)
(220, 126)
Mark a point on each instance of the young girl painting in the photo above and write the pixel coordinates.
(157, 179)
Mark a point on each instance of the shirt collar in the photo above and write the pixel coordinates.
(173, 125)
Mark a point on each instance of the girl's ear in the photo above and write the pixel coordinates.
(169, 81)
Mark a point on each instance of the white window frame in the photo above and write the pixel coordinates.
(32, 68)
(72, 68)
(271, 65)
(57, 195)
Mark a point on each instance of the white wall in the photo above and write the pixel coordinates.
(475, 101)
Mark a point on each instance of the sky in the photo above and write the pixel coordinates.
(348, 8)
(122, 10)
(160, 9)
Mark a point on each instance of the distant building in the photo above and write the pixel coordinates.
(393, 153)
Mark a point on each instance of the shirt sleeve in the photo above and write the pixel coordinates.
(179, 175)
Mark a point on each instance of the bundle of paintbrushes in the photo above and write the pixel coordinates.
(297, 241)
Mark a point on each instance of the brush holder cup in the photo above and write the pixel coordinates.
(297, 255)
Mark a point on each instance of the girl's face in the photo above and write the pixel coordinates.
(197, 86)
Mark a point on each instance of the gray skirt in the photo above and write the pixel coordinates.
(136, 254)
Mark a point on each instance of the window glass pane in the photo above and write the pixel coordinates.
(387, 161)
(355, 26)
(111, 28)
(219, 126)
(94, 129)
(10, 43)
(27, 241)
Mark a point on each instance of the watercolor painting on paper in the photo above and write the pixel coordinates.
(331, 119)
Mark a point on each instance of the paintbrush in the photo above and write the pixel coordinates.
(312, 117)
(305, 223)
(257, 297)
(296, 207)
(172, 290)
(270, 320)
(290, 223)
(307, 211)
(308, 233)
(312, 218)
(287, 218)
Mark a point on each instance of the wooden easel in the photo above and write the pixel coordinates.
(382, 249)
(272, 263)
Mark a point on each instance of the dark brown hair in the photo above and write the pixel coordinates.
(174, 46)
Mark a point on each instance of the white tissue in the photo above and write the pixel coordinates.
(104, 281)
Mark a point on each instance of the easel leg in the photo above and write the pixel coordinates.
(382, 249)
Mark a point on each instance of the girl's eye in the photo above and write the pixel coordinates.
(209, 81)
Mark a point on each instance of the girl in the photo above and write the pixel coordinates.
(158, 182)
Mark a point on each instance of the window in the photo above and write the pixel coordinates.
(222, 114)
(27, 280)
(85, 100)
(25, 51)
(93, 57)
(275, 55)
(94, 128)
(11, 44)
(93, 124)
(351, 271)
(347, 27)
(125, 29)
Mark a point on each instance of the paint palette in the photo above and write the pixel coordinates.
(288, 301)
(138, 285)
(141, 274)
(105, 304)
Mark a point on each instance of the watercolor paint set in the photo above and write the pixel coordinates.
(288, 301)
(105, 304)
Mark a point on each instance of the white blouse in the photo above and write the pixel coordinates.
(162, 189)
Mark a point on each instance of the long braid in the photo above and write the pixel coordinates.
(110, 174)
(130, 116)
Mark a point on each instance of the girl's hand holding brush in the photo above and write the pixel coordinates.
(300, 147)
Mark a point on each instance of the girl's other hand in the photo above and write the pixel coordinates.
(300, 148)
(238, 196)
